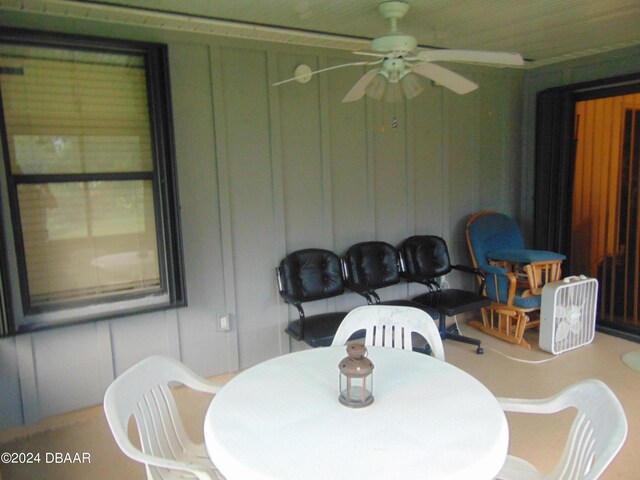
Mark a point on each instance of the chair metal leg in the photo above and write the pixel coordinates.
(446, 334)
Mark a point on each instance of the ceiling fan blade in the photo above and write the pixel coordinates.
(371, 54)
(325, 70)
(445, 77)
(477, 56)
(359, 89)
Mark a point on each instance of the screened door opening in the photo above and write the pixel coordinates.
(604, 241)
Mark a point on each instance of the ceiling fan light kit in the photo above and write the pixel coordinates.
(393, 93)
(376, 87)
(399, 64)
(411, 86)
(382, 88)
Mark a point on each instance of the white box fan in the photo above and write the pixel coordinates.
(568, 314)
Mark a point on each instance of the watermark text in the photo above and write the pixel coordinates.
(45, 457)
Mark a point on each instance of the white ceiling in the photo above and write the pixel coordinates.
(543, 31)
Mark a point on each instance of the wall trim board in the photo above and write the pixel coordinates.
(325, 154)
(105, 354)
(221, 156)
(277, 179)
(28, 381)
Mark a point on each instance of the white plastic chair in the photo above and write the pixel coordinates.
(390, 326)
(597, 434)
(143, 392)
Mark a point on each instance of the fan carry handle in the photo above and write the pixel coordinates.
(574, 278)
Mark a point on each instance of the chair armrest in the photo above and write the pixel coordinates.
(428, 282)
(286, 297)
(465, 268)
(368, 293)
(293, 301)
(203, 385)
(289, 299)
(494, 270)
(549, 405)
(502, 279)
(474, 271)
(187, 377)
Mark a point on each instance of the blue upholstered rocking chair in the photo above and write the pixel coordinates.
(514, 275)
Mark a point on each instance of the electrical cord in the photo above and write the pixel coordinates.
(522, 360)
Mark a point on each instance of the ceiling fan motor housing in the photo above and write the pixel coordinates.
(394, 42)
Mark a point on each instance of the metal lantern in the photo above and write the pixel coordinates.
(356, 377)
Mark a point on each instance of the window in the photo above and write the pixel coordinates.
(90, 189)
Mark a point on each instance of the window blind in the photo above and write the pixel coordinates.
(70, 116)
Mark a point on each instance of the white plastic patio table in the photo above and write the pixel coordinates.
(281, 419)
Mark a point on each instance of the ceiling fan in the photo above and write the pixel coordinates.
(398, 64)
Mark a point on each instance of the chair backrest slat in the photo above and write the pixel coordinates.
(390, 326)
(158, 425)
(579, 449)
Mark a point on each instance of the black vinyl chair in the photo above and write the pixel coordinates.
(426, 259)
(369, 266)
(308, 275)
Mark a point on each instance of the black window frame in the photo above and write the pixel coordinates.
(23, 317)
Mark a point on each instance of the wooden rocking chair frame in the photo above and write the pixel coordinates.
(508, 321)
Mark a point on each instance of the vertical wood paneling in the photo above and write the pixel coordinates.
(203, 247)
(279, 220)
(133, 339)
(248, 166)
(11, 403)
(347, 146)
(390, 171)
(302, 158)
(58, 389)
(390, 181)
(325, 141)
(508, 95)
(28, 383)
(430, 191)
(350, 170)
(224, 196)
(305, 173)
(104, 350)
(465, 167)
(499, 163)
(428, 175)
